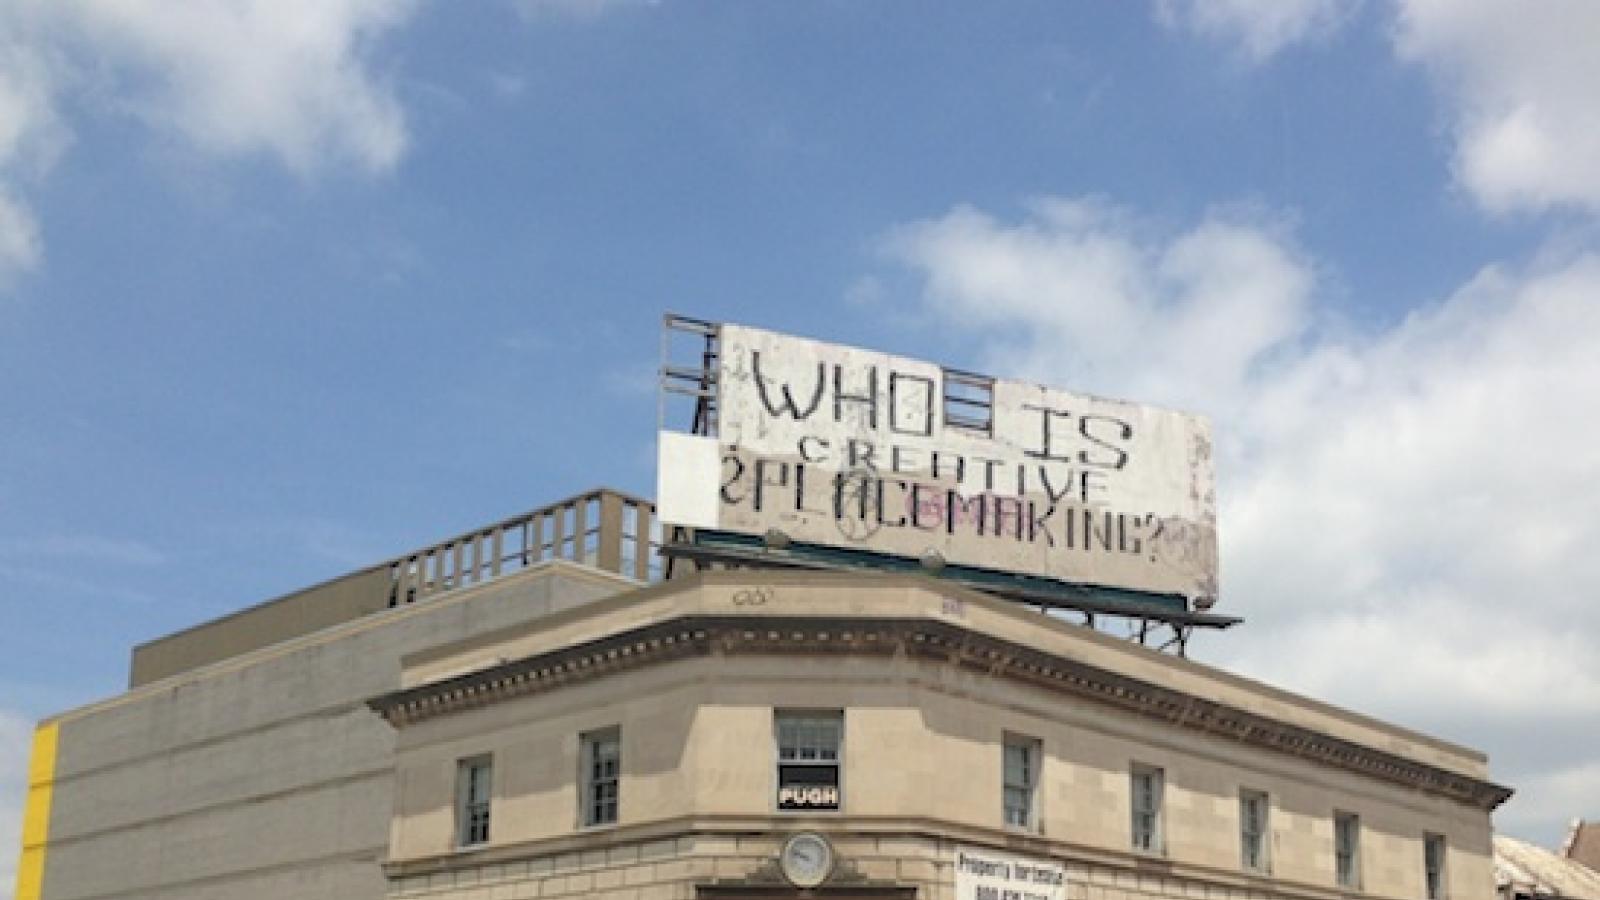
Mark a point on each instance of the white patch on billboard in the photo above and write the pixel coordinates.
(991, 875)
(853, 449)
(685, 464)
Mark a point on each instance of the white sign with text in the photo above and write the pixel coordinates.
(866, 451)
(991, 875)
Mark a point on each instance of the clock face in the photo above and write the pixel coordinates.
(807, 859)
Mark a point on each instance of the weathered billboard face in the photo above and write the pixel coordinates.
(848, 448)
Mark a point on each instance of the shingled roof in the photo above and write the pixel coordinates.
(1523, 870)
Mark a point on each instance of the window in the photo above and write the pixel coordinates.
(1433, 865)
(1146, 802)
(1253, 830)
(602, 770)
(1347, 850)
(474, 787)
(808, 759)
(1020, 777)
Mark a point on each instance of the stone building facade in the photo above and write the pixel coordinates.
(669, 742)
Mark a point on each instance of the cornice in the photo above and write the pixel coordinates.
(928, 639)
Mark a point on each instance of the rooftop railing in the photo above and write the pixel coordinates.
(602, 528)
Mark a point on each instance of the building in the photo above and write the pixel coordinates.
(243, 762)
(1583, 843)
(667, 742)
(726, 711)
(864, 688)
(1525, 872)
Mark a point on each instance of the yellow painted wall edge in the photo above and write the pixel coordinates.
(36, 812)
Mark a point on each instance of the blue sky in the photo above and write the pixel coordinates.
(287, 288)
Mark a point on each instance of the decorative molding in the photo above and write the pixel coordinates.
(928, 639)
(766, 879)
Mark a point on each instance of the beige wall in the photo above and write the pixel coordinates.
(922, 756)
(653, 867)
(903, 596)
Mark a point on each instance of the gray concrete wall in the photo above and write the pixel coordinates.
(265, 775)
(302, 612)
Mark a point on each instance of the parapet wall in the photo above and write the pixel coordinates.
(602, 528)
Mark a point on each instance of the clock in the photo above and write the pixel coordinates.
(806, 859)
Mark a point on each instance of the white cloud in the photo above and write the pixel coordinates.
(30, 132)
(30, 138)
(291, 80)
(1518, 79)
(1408, 517)
(1258, 28)
(1426, 495)
(19, 239)
(1106, 299)
(16, 739)
(1521, 80)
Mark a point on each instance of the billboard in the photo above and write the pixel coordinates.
(840, 447)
